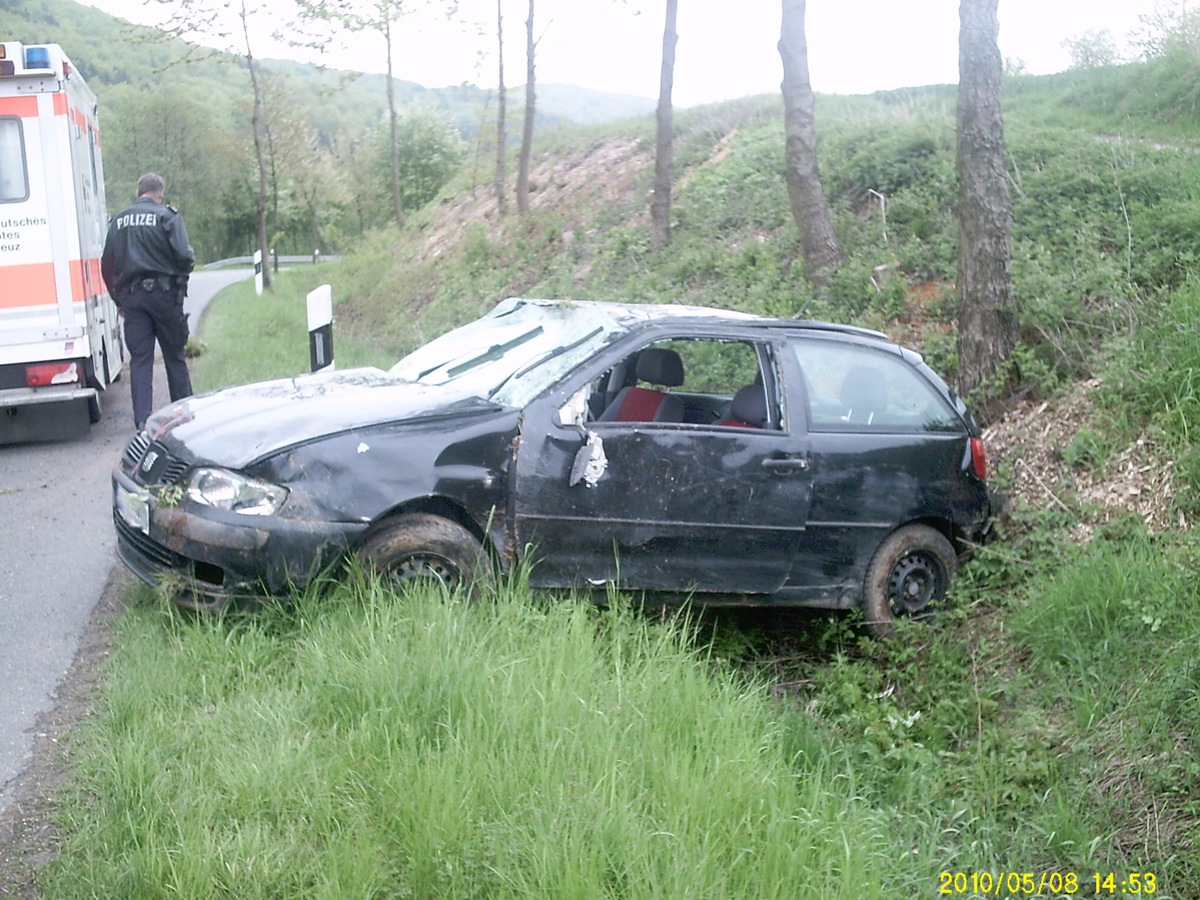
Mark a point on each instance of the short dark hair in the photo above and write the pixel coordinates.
(151, 184)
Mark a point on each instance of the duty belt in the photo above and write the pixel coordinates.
(162, 282)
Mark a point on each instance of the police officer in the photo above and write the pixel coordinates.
(145, 264)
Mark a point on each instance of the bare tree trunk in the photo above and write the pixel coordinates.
(258, 126)
(273, 185)
(530, 110)
(501, 112)
(807, 198)
(664, 160)
(397, 199)
(987, 321)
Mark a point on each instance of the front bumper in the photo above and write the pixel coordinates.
(212, 558)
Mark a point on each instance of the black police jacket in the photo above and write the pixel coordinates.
(147, 239)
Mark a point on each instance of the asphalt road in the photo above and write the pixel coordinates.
(57, 550)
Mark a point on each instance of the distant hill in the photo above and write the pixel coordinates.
(110, 51)
(585, 106)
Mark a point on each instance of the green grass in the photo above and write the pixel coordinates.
(367, 744)
(248, 338)
(362, 743)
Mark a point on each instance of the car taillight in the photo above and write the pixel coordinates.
(43, 374)
(978, 459)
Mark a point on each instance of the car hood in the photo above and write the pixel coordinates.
(237, 426)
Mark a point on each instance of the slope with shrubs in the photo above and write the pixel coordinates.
(370, 745)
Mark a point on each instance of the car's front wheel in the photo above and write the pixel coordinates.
(910, 572)
(424, 547)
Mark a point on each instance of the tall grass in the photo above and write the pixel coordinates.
(246, 337)
(1153, 388)
(370, 744)
(1112, 645)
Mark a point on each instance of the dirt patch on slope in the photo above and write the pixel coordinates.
(1036, 440)
(606, 174)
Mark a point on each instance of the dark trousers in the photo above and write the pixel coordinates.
(150, 315)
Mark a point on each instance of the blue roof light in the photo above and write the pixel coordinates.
(37, 57)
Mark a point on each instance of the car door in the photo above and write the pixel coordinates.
(886, 448)
(700, 504)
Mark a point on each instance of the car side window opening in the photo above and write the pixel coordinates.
(853, 388)
(688, 381)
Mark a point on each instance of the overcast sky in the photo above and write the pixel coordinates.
(855, 46)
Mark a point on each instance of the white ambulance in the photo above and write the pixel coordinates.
(60, 339)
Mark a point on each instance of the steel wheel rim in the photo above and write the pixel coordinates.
(915, 582)
(425, 567)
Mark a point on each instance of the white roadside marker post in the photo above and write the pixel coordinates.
(320, 328)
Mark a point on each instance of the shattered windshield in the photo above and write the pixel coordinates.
(514, 352)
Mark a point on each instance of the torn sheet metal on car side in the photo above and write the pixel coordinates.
(663, 507)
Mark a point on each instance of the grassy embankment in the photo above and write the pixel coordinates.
(363, 744)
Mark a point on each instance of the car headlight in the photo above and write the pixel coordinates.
(222, 489)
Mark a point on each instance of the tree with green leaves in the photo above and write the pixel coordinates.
(380, 16)
(1092, 49)
(297, 160)
(322, 183)
(1172, 28)
(822, 255)
(987, 319)
(204, 163)
(227, 22)
(430, 151)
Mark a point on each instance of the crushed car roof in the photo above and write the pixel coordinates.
(630, 313)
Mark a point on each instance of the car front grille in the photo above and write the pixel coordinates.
(173, 471)
(163, 468)
(135, 450)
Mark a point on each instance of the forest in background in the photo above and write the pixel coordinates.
(166, 106)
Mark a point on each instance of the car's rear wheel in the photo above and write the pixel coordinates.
(423, 547)
(910, 573)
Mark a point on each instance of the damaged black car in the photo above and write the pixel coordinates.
(732, 458)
